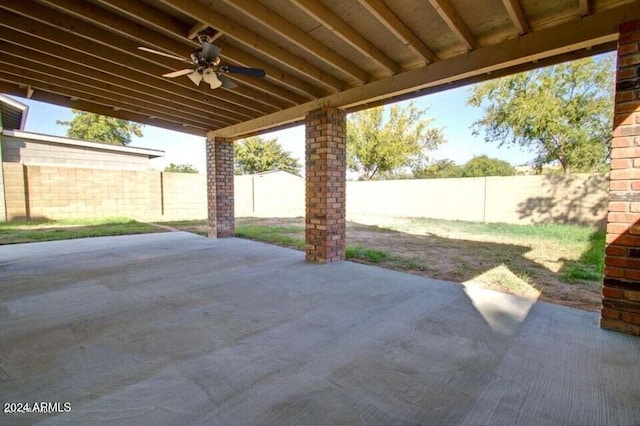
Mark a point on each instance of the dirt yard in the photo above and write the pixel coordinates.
(508, 263)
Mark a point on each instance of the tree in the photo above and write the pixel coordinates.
(439, 169)
(376, 145)
(99, 128)
(485, 166)
(561, 113)
(255, 155)
(478, 166)
(180, 168)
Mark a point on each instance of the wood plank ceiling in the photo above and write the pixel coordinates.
(344, 53)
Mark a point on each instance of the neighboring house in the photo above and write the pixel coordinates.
(33, 149)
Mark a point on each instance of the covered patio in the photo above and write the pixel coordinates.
(322, 59)
(174, 328)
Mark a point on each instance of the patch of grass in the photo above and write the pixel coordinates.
(65, 229)
(366, 254)
(360, 253)
(563, 233)
(288, 236)
(590, 266)
(407, 264)
(178, 223)
(520, 282)
(292, 237)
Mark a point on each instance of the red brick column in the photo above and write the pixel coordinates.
(325, 185)
(621, 290)
(220, 188)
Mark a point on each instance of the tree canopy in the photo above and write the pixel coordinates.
(478, 166)
(99, 128)
(561, 113)
(255, 155)
(180, 168)
(439, 169)
(482, 165)
(379, 144)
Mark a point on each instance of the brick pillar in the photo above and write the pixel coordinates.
(621, 289)
(325, 185)
(220, 188)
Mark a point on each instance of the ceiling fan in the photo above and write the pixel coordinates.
(206, 65)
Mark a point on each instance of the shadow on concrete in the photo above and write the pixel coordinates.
(581, 201)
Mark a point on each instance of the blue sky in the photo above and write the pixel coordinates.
(448, 109)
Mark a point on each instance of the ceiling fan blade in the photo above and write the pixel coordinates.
(227, 83)
(168, 55)
(255, 72)
(178, 73)
(195, 77)
(210, 51)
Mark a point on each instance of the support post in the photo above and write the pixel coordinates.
(621, 287)
(220, 188)
(325, 185)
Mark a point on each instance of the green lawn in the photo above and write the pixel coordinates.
(65, 229)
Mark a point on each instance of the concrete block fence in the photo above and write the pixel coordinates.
(61, 192)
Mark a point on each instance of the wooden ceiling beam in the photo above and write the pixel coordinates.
(143, 14)
(82, 105)
(560, 41)
(41, 81)
(115, 45)
(99, 44)
(399, 29)
(17, 44)
(585, 7)
(149, 38)
(165, 24)
(293, 34)
(199, 27)
(174, 95)
(41, 71)
(340, 28)
(517, 16)
(294, 64)
(196, 29)
(453, 20)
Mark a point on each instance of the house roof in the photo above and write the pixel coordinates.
(37, 137)
(13, 113)
(349, 54)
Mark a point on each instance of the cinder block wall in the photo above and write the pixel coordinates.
(3, 207)
(577, 199)
(63, 192)
(58, 192)
(456, 199)
(184, 195)
(14, 191)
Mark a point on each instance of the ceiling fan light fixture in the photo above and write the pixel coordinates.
(209, 76)
(195, 77)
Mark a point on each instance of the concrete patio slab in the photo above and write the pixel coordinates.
(174, 328)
